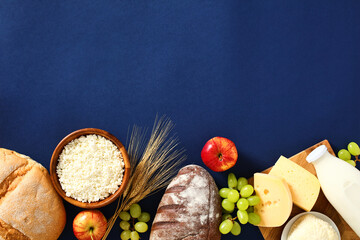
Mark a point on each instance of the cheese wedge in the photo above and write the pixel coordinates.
(276, 202)
(304, 186)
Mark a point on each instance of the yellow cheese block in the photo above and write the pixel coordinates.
(276, 202)
(304, 186)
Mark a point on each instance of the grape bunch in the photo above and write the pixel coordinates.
(238, 195)
(352, 149)
(133, 223)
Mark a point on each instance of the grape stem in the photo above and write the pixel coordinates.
(357, 159)
(233, 219)
(133, 224)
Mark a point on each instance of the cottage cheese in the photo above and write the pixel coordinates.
(310, 227)
(90, 168)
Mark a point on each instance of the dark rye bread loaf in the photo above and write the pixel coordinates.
(30, 209)
(190, 208)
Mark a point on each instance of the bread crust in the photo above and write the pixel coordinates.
(190, 208)
(29, 206)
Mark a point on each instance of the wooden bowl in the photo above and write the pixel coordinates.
(54, 163)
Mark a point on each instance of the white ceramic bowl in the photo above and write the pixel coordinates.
(287, 228)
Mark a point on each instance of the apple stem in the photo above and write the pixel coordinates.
(91, 234)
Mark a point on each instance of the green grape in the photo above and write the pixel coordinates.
(226, 216)
(144, 217)
(236, 229)
(124, 216)
(228, 205)
(242, 204)
(241, 182)
(253, 200)
(344, 154)
(134, 235)
(135, 210)
(246, 191)
(124, 225)
(225, 211)
(125, 235)
(351, 162)
(232, 181)
(250, 209)
(233, 195)
(243, 216)
(254, 218)
(141, 227)
(226, 226)
(224, 192)
(354, 149)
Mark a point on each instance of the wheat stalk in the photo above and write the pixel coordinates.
(153, 164)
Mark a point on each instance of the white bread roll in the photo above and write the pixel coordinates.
(30, 209)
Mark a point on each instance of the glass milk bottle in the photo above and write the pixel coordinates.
(340, 183)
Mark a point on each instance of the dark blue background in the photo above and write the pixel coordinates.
(274, 76)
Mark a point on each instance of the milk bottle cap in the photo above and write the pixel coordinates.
(316, 153)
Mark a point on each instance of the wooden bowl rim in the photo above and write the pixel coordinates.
(54, 160)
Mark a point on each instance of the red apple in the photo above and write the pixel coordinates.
(89, 225)
(219, 154)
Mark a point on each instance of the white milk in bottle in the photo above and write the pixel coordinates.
(340, 183)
